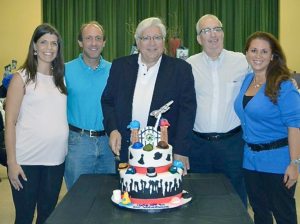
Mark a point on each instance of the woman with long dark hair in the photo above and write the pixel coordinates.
(36, 129)
(269, 108)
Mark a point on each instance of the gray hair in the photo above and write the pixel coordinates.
(150, 22)
(205, 17)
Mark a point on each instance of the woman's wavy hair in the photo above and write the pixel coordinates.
(31, 62)
(277, 70)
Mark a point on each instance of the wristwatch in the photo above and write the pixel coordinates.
(296, 162)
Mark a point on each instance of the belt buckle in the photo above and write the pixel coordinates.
(214, 137)
(91, 133)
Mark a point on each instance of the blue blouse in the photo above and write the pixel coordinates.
(263, 121)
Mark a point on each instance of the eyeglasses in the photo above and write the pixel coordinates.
(154, 38)
(205, 31)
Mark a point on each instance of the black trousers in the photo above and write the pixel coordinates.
(268, 195)
(3, 158)
(41, 190)
(220, 156)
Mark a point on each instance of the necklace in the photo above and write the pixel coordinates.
(256, 84)
(96, 67)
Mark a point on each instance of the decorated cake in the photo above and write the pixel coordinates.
(151, 179)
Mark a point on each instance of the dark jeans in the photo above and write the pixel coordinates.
(41, 190)
(220, 156)
(267, 195)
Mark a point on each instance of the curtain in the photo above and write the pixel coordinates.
(119, 18)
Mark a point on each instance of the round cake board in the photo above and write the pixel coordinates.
(156, 207)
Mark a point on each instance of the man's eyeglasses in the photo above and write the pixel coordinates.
(154, 38)
(217, 29)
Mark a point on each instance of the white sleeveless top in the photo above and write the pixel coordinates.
(42, 128)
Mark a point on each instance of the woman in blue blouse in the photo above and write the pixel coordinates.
(268, 106)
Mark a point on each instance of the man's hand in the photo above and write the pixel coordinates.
(115, 142)
(185, 161)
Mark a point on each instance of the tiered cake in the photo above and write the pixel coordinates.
(151, 179)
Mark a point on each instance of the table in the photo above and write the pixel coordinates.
(89, 201)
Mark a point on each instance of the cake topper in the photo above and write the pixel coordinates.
(157, 113)
(134, 127)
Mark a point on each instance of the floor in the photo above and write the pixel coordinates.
(7, 207)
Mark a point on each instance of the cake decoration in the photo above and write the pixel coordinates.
(162, 145)
(123, 165)
(130, 170)
(134, 127)
(151, 180)
(157, 113)
(125, 199)
(148, 147)
(137, 145)
(164, 124)
(151, 172)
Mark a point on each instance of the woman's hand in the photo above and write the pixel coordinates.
(291, 175)
(14, 171)
(292, 171)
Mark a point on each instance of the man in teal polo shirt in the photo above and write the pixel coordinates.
(86, 77)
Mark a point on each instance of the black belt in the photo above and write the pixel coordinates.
(91, 133)
(217, 136)
(270, 145)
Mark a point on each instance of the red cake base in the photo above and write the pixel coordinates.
(154, 200)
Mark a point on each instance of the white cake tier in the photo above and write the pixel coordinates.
(155, 158)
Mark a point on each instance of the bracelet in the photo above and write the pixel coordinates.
(296, 162)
